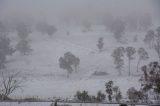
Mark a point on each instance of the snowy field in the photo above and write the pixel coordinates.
(44, 78)
(60, 104)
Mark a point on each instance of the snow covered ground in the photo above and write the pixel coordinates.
(49, 104)
(45, 79)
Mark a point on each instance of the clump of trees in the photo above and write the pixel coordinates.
(69, 62)
(113, 92)
(100, 44)
(150, 81)
(135, 95)
(82, 96)
(85, 97)
(119, 53)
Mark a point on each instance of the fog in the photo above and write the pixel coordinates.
(72, 11)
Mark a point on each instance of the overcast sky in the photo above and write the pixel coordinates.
(57, 9)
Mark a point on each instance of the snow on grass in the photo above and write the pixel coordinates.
(46, 79)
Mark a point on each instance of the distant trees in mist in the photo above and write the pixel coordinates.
(152, 38)
(118, 54)
(23, 32)
(87, 26)
(45, 28)
(143, 55)
(23, 47)
(69, 62)
(100, 44)
(149, 38)
(117, 27)
(5, 50)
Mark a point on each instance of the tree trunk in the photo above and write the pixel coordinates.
(138, 65)
(129, 67)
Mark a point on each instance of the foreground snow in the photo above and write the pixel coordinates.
(49, 104)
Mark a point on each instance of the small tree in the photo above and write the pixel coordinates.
(100, 96)
(100, 44)
(130, 52)
(109, 90)
(5, 50)
(23, 31)
(150, 38)
(23, 47)
(50, 30)
(69, 62)
(9, 83)
(117, 54)
(117, 93)
(134, 95)
(143, 55)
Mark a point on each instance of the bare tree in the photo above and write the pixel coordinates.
(143, 55)
(130, 52)
(10, 83)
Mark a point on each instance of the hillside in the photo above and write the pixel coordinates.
(41, 69)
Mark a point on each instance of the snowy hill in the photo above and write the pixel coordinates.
(41, 69)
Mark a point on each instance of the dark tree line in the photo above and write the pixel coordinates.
(85, 97)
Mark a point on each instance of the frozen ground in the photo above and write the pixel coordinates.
(49, 104)
(44, 78)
